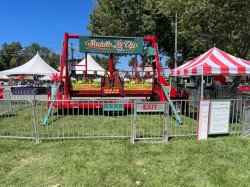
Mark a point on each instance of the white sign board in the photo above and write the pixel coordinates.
(219, 117)
(203, 119)
(150, 107)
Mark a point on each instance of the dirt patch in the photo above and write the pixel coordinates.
(29, 160)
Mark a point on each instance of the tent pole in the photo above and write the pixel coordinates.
(86, 63)
(169, 85)
(201, 87)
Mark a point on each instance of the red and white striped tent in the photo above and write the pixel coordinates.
(213, 62)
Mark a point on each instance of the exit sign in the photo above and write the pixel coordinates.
(150, 107)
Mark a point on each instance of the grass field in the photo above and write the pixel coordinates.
(215, 162)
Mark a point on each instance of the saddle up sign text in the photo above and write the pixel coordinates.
(116, 45)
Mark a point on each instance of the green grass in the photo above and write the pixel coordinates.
(215, 162)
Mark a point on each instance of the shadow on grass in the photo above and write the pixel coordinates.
(8, 115)
(92, 112)
(193, 115)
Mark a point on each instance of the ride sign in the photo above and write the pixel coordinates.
(219, 117)
(108, 44)
(150, 107)
(203, 119)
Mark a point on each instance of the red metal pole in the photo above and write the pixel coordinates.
(73, 35)
(135, 64)
(111, 65)
(86, 62)
(65, 46)
(66, 83)
(158, 67)
(64, 60)
(148, 38)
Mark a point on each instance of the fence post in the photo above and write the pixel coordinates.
(35, 120)
(165, 122)
(133, 125)
(243, 115)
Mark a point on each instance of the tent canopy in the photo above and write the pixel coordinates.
(148, 69)
(5, 77)
(213, 62)
(36, 66)
(92, 66)
(45, 78)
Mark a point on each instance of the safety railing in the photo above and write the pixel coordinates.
(213, 94)
(246, 112)
(6, 94)
(188, 111)
(150, 121)
(79, 119)
(17, 119)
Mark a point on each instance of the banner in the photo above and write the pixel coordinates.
(105, 44)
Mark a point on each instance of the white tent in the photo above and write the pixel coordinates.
(148, 69)
(5, 77)
(45, 78)
(36, 66)
(48, 78)
(92, 66)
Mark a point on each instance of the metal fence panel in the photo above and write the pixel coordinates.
(29, 97)
(6, 94)
(188, 111)
(236, 120)
(87, 122)
(17, 119)
(5, 103)
(150, 123)
(246, 127)
(213, 94)
(87, 119)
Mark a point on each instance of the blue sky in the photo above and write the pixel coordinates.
(43, 21)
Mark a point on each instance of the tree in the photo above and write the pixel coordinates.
(204, 24)
(11, 55)
(201, 24)
(47, 54)
(2, 64)
(132, 18)
(104, 60)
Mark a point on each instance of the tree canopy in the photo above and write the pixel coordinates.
(13, 55)
(103, 60)
(202, 24)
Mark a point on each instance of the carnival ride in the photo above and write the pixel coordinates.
(150, 85)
